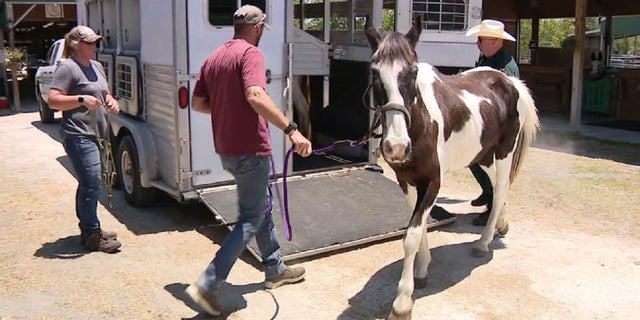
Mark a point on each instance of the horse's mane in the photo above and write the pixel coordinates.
(395, 46)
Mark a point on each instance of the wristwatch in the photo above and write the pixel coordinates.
(292, 126)
(80, 99)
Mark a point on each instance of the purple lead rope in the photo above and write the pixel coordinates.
(286, 221)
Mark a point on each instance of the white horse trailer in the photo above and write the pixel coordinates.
(152, 51)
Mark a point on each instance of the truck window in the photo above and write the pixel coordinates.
(221, 11)
(442, 15)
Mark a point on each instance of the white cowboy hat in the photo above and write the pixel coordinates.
(492, 29)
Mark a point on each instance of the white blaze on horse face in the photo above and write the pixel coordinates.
(396, 141)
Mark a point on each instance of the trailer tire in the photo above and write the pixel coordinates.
(46, 114)
(129, 169)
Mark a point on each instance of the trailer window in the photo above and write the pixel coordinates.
(221, 11)
(442, 15)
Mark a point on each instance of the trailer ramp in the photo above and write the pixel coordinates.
(328, 211)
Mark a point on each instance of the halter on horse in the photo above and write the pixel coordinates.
(432, 123)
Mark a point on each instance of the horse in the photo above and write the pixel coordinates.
(432, 123)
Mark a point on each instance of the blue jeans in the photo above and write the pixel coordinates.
(85, 158)
(252, 179)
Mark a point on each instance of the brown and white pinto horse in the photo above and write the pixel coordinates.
(432, 123)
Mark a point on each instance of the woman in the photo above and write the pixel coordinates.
(80, 90)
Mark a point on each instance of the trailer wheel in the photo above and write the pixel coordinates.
(46, 114)
(129, 165)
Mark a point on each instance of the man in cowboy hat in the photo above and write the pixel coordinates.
(491, 36)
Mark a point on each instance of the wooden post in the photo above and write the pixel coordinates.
(608, 39)
(3, 66)
(578, 61)
(13, 66)
(535, 37)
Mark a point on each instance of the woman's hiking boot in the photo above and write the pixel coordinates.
(102, 241)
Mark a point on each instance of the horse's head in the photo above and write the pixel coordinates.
(394, 68)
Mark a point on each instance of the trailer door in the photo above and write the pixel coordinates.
(209, 24)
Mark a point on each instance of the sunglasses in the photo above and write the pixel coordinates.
(261, 22)
(480, 40)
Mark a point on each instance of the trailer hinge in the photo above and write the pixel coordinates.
(187, 77)
(191, 174)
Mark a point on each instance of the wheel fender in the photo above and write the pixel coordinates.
(146, 147)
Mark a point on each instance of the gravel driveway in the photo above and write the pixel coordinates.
(572, 252)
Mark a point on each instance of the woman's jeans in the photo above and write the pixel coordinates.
(85, 158)
(252, 179)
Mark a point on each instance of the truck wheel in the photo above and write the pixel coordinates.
(129, 165)
(46, 114)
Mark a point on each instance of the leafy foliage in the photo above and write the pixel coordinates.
(15, 55)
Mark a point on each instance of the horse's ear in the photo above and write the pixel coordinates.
(372, 34)
(414, 33)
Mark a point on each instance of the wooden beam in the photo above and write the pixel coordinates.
(607, 40)
(535, 37)
(578, 58)
(566, 8)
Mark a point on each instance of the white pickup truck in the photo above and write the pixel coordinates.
(44, 76)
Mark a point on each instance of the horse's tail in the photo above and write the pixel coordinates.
(529, 129)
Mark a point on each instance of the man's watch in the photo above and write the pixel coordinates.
(80, 99)
(292, 126)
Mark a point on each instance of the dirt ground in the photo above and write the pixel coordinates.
(572, 252)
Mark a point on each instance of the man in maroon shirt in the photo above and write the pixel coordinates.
(231, 87)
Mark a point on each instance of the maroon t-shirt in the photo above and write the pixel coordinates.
(237, 129)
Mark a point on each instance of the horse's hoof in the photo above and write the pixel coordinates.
(420, 283)
(504, 229)
(480, 252)
(399, 316)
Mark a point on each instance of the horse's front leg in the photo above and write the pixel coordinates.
(500, 190)
(416, 249)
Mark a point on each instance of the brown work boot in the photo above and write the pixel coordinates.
(101, 241)
(207, 301)
(290, 275)
(109, 234)
(105, 234)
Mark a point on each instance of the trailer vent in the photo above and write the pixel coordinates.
(126, 84)
(442, 15)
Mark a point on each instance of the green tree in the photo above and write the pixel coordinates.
(552, 33)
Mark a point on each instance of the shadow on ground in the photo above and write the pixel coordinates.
(63, 248)
(231, 301)
(450, 265)
(579, 145)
